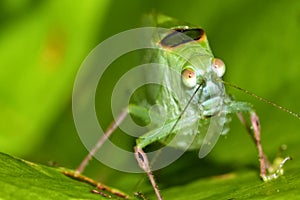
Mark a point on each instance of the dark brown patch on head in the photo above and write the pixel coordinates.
(182, 36)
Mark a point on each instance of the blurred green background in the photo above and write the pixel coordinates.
(43, 43)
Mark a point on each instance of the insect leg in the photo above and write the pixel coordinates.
(255, 135)
(143, 162)
(268, 171)
(96, 184)
(256, 131)
(101, 140)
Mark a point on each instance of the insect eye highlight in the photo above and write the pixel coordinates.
(189, 77)
(218, 66)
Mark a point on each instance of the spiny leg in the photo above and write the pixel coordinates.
(101, 140)
(265, 165)
(77, 174)
(96, 184)
(256, 131)
(143, 162)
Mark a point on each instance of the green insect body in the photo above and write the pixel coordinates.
(202, 111)
(190, 109)
(185, 50)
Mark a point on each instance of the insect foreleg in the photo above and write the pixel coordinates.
(143, 162)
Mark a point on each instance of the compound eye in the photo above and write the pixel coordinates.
(188, 77)
(218, 66)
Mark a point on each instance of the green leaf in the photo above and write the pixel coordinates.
(257, 40)
(20, 179)
(238, 184)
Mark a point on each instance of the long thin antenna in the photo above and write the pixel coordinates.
(177, 120)
(263, 99)
(142, 158)
(186, 106)
(172, 128)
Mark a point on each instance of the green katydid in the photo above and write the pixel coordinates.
(201, 113)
